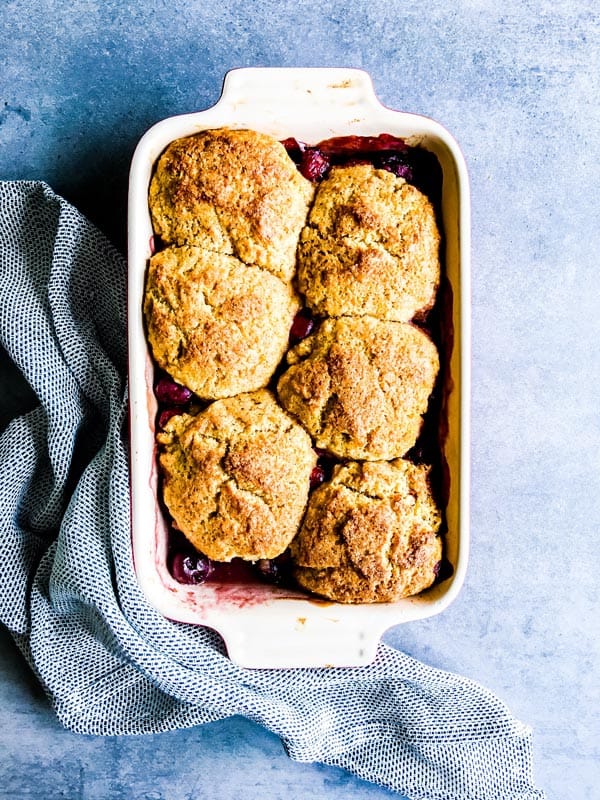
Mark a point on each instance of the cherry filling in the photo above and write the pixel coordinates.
(191, 568)
(364, 146)
(418, 167)
(314, 164)
(275, 570)
(302, 326)
(442, 570)
(172, 397)
(169, 393)
(415, 164)
(317, 476)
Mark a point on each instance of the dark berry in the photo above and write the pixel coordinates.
(302, 326)
(275, 570)
(267, 569)
(192, 569)
(317, 476)
(397, 164)
(294, 148)
(313, 164)
(166, 415)
(324, 467)
(171, 393)
(442, 570)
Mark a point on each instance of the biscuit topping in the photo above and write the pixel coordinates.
(217, 326)
(288, 434)
(370, 534)
(371, 246)
(236, 476)
(361, 386)
(234, 192)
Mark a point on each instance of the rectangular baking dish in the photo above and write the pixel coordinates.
(262, 625)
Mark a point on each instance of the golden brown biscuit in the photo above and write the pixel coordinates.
(360, 386)
(214, 324)
(370, 534)
(371, 246)
(233, 191)
(236, 476)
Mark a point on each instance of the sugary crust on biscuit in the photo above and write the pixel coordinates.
(240, 226)
(232, 191)
(214, 324)
(360, 386)
(236, 476)
(370, 534)
(371, 246)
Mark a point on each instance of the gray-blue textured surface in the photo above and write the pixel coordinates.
(518, 85)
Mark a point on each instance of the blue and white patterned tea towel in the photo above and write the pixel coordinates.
(68, 593)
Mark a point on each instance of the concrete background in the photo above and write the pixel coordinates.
(518, 86)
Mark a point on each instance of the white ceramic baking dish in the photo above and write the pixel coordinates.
(264, 626)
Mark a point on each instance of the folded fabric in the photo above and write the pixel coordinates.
(109, 662)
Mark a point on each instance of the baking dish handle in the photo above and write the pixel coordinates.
(311, 641)
(313, 88)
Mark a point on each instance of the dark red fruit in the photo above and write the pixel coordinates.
(274, 570)
(302, 326)
(397, 164)
(235, 571)
(191, 569)
(442, 570)
(346, 145)
(313, 164)
(166, 415)
(267, 568)
(171, 393)
(294, 148)
(317, 476)
(325, 466)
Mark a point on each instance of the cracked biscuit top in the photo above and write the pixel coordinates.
(232, 191)
(215, 325)
(371, 246)
(370, 534)
(236, 476)
(360, 386)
